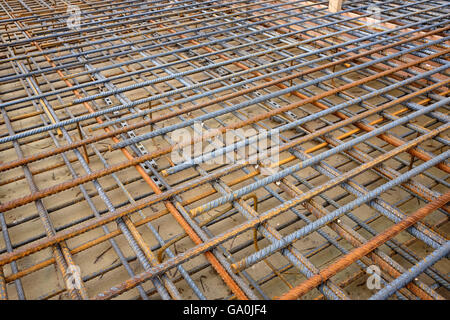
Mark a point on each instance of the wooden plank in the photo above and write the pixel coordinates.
(335, 5)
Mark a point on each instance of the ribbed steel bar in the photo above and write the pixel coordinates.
(440, 279)
(342, 147)
(413, 272)
(371, 245)
(196, 46)
(235, 286)
(257, 221)
(141, 222)
(319, 232)
(360, 110)
(273, 113)
(153, 98)
(132, 239)
(285, 241)
(8, 257)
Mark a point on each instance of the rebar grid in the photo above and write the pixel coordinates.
(90, 117)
